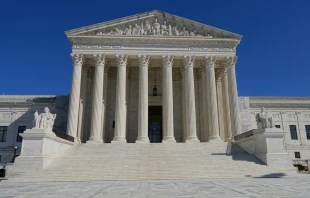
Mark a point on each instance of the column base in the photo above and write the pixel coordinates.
(227, 140)
(215, 139)
(192, 139)
(118, 140)
(143, 140)
(77, 140)
(95, 140)
(169, 139)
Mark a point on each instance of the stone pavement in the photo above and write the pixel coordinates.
(249, 187)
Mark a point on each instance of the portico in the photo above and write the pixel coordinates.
(116, 67)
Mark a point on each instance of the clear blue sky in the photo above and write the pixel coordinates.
(273, 55)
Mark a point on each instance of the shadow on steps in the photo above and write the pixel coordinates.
(238, 154)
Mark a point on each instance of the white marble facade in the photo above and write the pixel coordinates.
(117, 64)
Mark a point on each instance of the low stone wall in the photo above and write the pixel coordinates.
(39, 149)
(267, 145)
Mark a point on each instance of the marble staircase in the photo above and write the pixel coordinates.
(90, 162)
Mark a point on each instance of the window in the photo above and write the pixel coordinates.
(308, 131)
(21, 129)
(3, 130)
(278, 126)
(293, 132)
(297, 155)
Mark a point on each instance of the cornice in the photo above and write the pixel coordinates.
(117, 41)
(6, 97)
(280, 98)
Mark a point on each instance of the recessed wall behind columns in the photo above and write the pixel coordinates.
(132, 87)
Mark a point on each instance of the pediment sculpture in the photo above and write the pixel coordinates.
(264, 119)
(44, 120)
(154, 29)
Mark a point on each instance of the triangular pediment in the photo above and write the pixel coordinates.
(154, 23)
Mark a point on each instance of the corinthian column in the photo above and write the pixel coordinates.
(227, 119)
(120, 106)
(104, 103)
(233, 95)
(205, 129)
(143, 99)
(212, 99)
(190, 113)
(73, 113)
(96, 118)
(167, 100)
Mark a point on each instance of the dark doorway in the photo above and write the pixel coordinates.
(155, 124)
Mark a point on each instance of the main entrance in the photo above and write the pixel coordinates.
(155, 124)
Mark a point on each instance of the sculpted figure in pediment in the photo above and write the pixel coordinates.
(176, 31)
(156, 28)
(184, 32)
(118, 31)
(136, 30)
(164, 29)
(128, 31)
(146, 28)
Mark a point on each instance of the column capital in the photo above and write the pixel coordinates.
(231, 61)
(121, 60)
(209, 61)
(188, 61)
(144, 60)
(167, 60)
(77, 59)
(100, 59)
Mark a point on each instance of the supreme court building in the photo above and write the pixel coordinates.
(153, 77)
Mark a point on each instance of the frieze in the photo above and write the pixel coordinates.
(114, 43)
(154, 27)
(123, 47)
(6, 115)
(275, 115)
(280, 98)
(307, 116)
(291, 116)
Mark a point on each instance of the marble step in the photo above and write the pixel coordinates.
(90, 162)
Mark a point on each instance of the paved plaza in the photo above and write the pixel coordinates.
(252, 187)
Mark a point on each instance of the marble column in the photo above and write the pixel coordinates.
(104, 102)
(226, 110)
(73, 113)
(168, 127)
(96, 117)
(190, 111)
(120, 106)
(80, 121)
(143, 105)
(205, 129)
(220, 109)
(182, 73)
(209, 63)
(233, 95)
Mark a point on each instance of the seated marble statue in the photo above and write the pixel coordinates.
(264, 120)
(44, 120)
